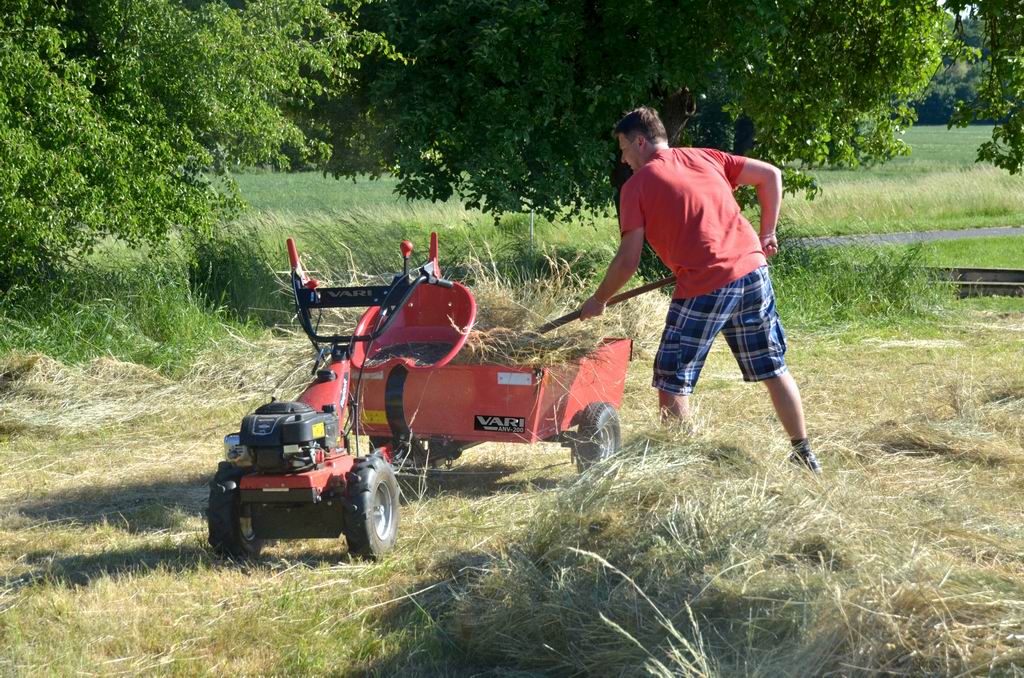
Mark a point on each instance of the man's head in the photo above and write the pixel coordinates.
(640, 134)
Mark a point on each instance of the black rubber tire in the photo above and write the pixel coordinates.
(372, 511)
(227, 534)
(598, 436)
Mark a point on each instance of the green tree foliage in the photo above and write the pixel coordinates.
(1000, 95)
(959, 76)
(114, 114)
(510, 104)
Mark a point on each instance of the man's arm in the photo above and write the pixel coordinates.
(621, 269)
(767, 178)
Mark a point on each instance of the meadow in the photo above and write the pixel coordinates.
(938, 185)
(698, 552)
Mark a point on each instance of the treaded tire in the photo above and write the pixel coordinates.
(598, 436)
(372, 512)
(227, 535)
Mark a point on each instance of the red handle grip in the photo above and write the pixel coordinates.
(293, 254)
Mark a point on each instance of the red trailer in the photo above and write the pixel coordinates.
(425, 409)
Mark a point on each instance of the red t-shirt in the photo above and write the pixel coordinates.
(683, 200)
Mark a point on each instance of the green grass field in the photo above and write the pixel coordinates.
(937, 186)
(1000, 252)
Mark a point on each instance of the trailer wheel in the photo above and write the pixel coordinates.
(598, 436)
(372, 513)
(229, 523)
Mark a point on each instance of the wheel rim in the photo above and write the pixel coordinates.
(605, 444)
(383, 512)
(245, 526)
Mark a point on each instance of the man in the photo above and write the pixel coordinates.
(681, 200)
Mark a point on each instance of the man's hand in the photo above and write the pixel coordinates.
(591, 308)
(769, 245)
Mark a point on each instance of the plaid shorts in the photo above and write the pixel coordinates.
(743, 310)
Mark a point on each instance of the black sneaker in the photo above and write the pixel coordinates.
(802, 456)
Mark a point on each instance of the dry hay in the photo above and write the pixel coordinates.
(914, 343)
(706, 554)
(509, 313)
(954, 439)
(689, 554)
(41, 394)
(718, 562)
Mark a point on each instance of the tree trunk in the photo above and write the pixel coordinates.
(676, 110)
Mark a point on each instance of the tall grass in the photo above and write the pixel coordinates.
(162, 309)
(862, 202)
(823, 286)
(142, 310)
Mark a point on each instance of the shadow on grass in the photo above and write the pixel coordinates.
(171, 504)
(164, 504)
(138, 507)
(436, 648)
(53, 567)
(450, 640)
(469, 481)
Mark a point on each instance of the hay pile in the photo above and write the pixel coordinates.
(707, 554)
(683, 557)
(509, 313)
(38, 393)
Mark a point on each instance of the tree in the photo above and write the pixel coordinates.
(959, 76)
(115, 115)
(510, 104)
(1000, 96)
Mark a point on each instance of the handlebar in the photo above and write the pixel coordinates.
(293, 254)
(389, 298)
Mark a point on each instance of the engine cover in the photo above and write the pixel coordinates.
(280, 433)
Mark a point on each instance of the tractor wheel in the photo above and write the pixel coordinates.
(597, 437)
(230, 526)
(372, 514)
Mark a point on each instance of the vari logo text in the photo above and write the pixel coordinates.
(484, 422)
(355, 292)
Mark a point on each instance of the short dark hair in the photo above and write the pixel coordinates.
(645, 121)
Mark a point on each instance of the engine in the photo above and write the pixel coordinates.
(283, 437)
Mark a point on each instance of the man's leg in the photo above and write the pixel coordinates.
(786, 399)
(674, 408)
(758, 342)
